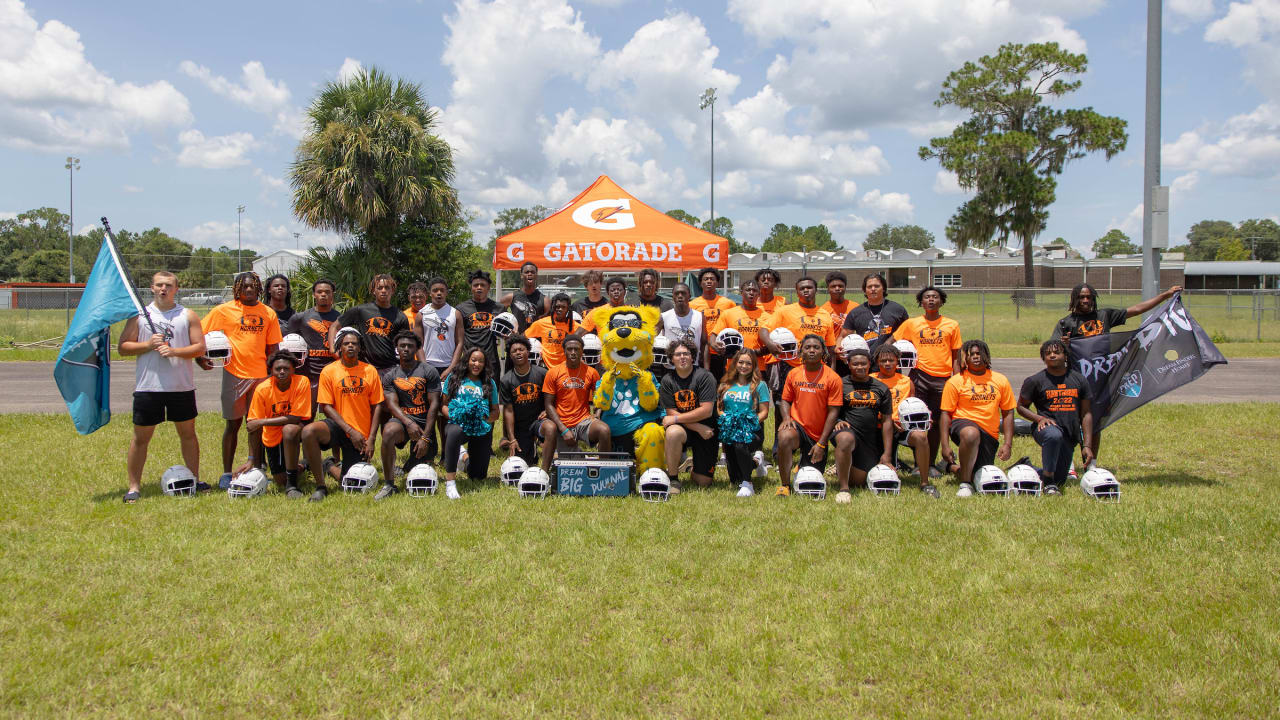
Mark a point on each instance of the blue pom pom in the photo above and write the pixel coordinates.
(471, 413)
(738, 427)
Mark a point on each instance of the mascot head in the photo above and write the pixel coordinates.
(627, 334)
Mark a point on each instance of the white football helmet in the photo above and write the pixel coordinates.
(850, 343)
(503, 325)
(731, 339)
(178, 480)
(788, 348)
(337, 339)
(907, 356)
(512, 468)
(654, 485)
(577, 317)
(360, 478)
(1025, 480)
(1100, 484)
(883, 480)
(248, 483)
(660, 357)
(295, 346)
(535, 351)
(809, 481)
(535, 482)
(913, 414)
(217, 348)
(422, 480)
(991, 480)
(591, 349)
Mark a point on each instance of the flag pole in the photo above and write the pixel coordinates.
(110, 239)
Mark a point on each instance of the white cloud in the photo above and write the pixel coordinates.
(131, 189)
(1192, 9)
(1246, 145)
(53, 98)
(350, 68)
(889, 207)
(1253, 27)
(256, 92)
(8, 215)
(270, 182)
(262, 237)
(945, 182)
(1131, 224)
(214, 153)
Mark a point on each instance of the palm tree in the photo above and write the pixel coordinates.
(370, 162)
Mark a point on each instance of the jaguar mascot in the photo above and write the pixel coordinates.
(626, 395)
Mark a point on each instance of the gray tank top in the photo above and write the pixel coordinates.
(161, 374)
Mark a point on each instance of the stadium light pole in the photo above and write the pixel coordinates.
(708, 100)
(239, 251)
(1151, 170)
(297, 241)
(73, 164)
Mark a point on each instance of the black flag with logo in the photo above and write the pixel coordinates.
(1127, 370)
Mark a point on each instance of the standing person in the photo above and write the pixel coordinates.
(254, 334)
(616, 292)
(1086, 319)
(682, 322)
(743, 406)
(864, 433)
(528, 303)
(417, 292)
(811, 400)
(477, 315)
(688, 395)
(439, 325)
(746, 319)
(593, 281)
(566, 393)
(900, 388)
(280, 298)
(313, 325)
(412, 390)
(471, 405)
(1063, 414)
(976, 405)
(520, 391)
(838, 306)
(876, 319)
(802, 318)
(937, 340)
(711, 304)
(166, 339)
(648, 284)
(552, 330)
(351, 398)
(377, 322)
(769, 279)
(281, 406)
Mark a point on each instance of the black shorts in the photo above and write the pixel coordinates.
(929, 389)
(867, 449)
(704, 452)
(717, 363)
(806, 447)
(153, 408)
(775, 377)
(987, 444)
(275, 458)
(339, 442)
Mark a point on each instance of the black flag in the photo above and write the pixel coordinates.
(1130, 369)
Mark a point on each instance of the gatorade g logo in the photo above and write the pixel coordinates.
(481, 320)
(378, 326)
(351, 385)
(281, 408)
(528, 392)
(686, 400)
(605, 215)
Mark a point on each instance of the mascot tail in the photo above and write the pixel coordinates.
(649, 447)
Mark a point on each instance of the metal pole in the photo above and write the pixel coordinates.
(708, 100)
(239, 250)
(1151, 172)
(1258, 301)
(73, 164)
(984, 314)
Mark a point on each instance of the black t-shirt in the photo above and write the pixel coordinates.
(313, 326)
(1056, 397)
(527, 308)
(685, 394)
(412, 390)
(866, 403)
(283, 316)
(378, 328)
(662, 303)
(1098, 322)
(524, 394)
(584, 306)
(875, 323)
(476, 319)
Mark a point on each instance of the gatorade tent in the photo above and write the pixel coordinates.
(605, 228)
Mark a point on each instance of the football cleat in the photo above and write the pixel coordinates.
(809, 482)
(1100, 484)
(503, 325)
(217, 348)
(360, 478)
(421, 481)
(248, 483)
(535, 351)
(654, 485)
(591, 349)
(731, 339)
(660, 357)
(534, 483)
(1025, 480)
(991, 480)
(178, 480)
(295, 346)
(512, 468)
(906, 356)
(788, 348)
(883, 480)
(913, 414)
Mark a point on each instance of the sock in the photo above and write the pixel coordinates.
(291, 478)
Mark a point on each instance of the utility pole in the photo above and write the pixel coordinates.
(73, 164)
(239, 251)
(1151, 171)
(297, 241)
(708, 100)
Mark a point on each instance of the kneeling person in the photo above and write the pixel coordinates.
(412, 391)
(566, 392)
(351, 398)
(520, 391)
(1061, 398)
(976, 405)
(864, 433)
(280, 407)
(900, 388)
(688, 395)
(811, 401)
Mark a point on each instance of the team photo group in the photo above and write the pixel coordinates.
(676, 384)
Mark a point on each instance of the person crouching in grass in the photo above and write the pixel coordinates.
(351, 398)
(976, 405)
(864, 433)
(811, 402)
(1063, 414)
(280, 407)
(900, 388)
(743, 407)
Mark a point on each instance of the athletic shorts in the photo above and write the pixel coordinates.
(236, 393)
(704, 452)
(580, 435)
(867, 449)
(339, 442)
(275, 458)
(776, 377)
(929, 389)
(153, 408)
(987, 444)
(806, 447)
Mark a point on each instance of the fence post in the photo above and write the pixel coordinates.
(984, 315)
(1258, 303)
(1228, 304)
(66, 300)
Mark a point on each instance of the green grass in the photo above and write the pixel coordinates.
(706, 606)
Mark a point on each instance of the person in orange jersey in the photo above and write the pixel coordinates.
(977, 405)
(279, 409)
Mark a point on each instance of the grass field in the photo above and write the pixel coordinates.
(706, 606)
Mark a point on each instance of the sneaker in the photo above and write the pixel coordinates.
(327, 464)
(843, 497)
(224, 481)
(966, 490)
(451, 490)
(746, 489)
(1024, 460)
(686, 466)
(1052, 490)
(721, 462)
(293, 493)
(934, 472)
(202, 486)
(399, 471)
(318, 495)
(782, 491)
(387, 491)
(675, 487)
(830, 471)
(930, 490)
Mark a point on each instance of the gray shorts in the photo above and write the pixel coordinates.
(236, 394)
(580, 435)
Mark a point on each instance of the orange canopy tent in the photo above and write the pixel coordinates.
(606, 228)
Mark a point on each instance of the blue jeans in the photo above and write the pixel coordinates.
(1056, 449)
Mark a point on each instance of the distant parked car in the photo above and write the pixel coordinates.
(202, 299)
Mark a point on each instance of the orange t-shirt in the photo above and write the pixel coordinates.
(979, 398)
(773, 305)
(747, 323)
(711, 310)
(810, 394)
(899, 387)
(802, 321)
(839, 311)
(352, 391)
(572, 390)
(412, 315)
(551, 335)
(270, 401)
(250, 329)
(935, 341)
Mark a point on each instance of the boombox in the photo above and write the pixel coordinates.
(594, 473)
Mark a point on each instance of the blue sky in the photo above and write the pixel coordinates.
(179, 112)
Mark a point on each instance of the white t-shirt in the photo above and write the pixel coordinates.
(680, 328)
(438, 334)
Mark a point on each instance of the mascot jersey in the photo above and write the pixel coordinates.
(626, 415)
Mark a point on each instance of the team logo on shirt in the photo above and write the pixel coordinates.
(1089, 328)
(749, 326)
(930, 336)
(250, 324)
(281, 408)
(528, 392)
(982, 393)
(378, 326)
(811, 324)
(416, 389)
(321, 327)
(556, 336)
(572, 383)
(686, 400)
(351, 384)
(480, 320)
(861, 398)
